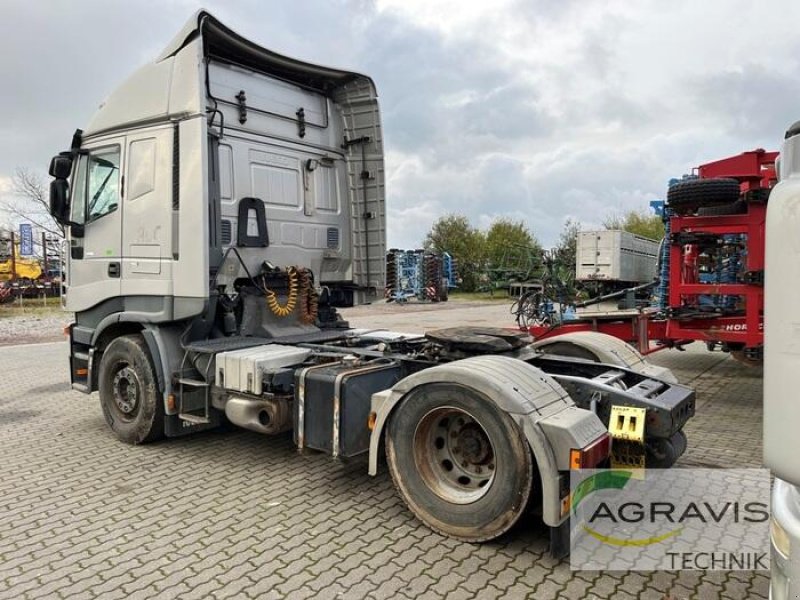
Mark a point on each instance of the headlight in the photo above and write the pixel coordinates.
(780, 539)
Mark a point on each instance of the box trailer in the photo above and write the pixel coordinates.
(615, 256)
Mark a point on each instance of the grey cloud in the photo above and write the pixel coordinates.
(755, 100)
(475, 123)
(420, 75)
(60, 60)
(506, 112)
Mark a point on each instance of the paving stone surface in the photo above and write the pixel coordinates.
(232, 514)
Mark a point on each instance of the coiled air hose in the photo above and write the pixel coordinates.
(309, 299)
(291, 300)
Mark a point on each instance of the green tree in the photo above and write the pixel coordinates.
(466, 244)
(638, 222)
(567, 248)
(504, 237)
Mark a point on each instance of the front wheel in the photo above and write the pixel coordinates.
(461, 464)
(128, 392)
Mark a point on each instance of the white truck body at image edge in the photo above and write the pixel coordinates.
(219, 207)
(781, 361)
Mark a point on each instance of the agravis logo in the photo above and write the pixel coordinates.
(655, 511)
(612, 479)
(653, 519)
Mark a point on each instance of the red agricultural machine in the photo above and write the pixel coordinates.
(711, 272)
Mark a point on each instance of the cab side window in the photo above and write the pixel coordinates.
(102, 182)
(78, 202)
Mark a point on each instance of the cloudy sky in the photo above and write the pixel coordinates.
(537, 110)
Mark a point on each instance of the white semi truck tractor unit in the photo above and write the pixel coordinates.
(220, 206)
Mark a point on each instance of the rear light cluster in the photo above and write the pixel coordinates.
(592, 455)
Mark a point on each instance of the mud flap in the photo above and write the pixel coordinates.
(175, 427)
(559, 540)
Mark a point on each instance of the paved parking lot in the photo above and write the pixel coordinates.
(234, 514)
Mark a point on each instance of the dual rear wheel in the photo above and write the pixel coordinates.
(461, 464)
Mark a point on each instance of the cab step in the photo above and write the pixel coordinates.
(194, 419)
(193, 382)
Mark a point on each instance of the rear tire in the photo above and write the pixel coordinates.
(680, 442)
(460, 463)
(129, 395)
(660, 453)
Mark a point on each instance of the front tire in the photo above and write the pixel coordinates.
(129, 395)
(460, 463)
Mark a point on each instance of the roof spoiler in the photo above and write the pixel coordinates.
(225, 44)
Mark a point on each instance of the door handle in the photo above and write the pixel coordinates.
(113, 269)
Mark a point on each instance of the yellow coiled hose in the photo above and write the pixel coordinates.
(291, 299)
(309, 300)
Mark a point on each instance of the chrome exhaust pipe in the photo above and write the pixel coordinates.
(269, 416)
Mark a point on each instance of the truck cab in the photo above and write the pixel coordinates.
(221, 205)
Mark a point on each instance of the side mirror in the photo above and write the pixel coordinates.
(59, 200)
(61, 166)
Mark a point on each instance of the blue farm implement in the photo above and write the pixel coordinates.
(423, 275)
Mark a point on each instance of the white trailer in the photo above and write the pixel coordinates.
(615, 256)
(220, 205)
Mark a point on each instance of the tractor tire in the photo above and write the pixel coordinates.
(129, 394)
(737, 208)
(691, 194)
(460, 463)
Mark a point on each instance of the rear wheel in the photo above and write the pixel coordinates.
(461, 464)
(680, 442)
(128, 392)
(661, 453)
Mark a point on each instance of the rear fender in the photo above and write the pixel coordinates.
(533, 399)
(610, 350)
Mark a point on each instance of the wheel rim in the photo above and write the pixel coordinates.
(127, 392)
(454, 455)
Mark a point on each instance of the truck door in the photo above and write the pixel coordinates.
(94, 268)
(147, 248)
